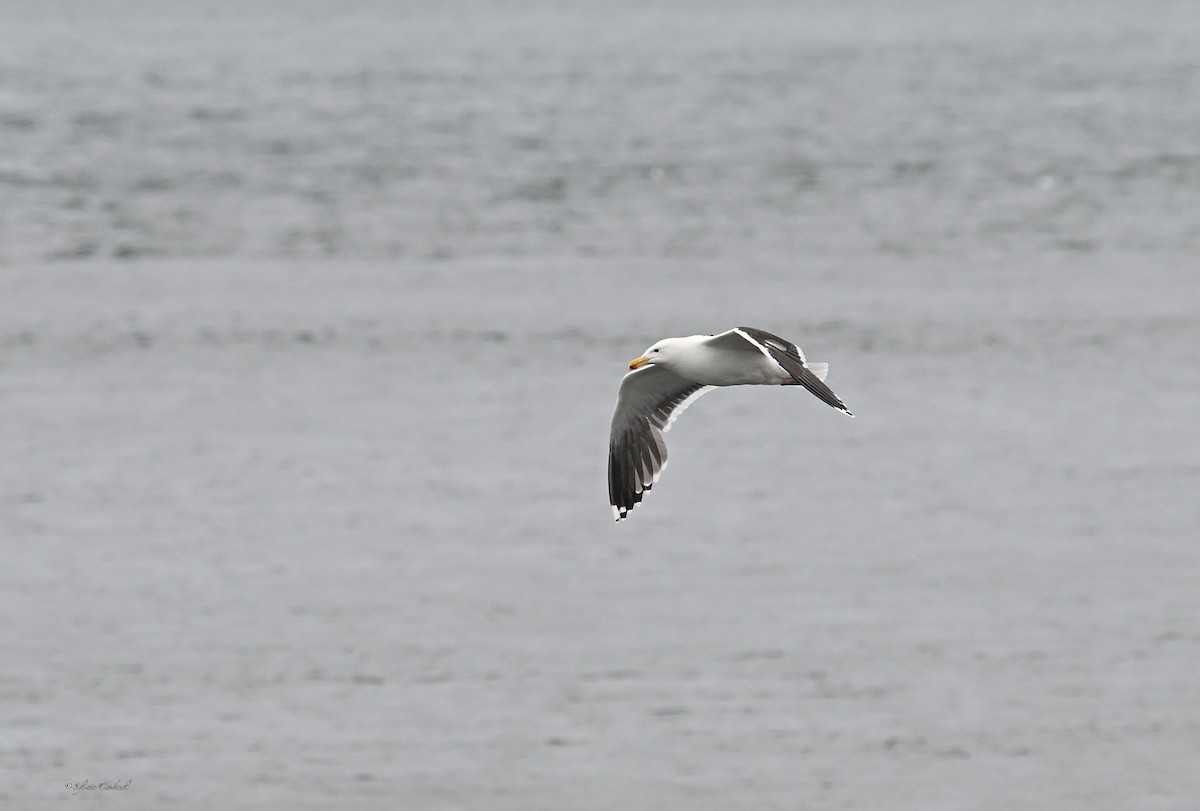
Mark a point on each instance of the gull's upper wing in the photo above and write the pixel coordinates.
(650, 399)
(786, 354)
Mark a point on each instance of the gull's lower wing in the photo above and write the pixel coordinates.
(649, 401)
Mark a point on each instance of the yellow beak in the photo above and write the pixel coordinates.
(638, 363)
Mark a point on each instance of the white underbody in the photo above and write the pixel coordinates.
(719, 367)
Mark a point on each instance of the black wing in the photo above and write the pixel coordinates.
(791, 359)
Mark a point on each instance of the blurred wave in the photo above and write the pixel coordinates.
(363, 131)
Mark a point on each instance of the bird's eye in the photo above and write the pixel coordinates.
(655, 350)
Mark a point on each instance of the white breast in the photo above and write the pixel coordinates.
(721, 367)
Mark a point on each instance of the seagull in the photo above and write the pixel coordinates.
(671, 375)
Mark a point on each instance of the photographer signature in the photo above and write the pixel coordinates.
(88, 785)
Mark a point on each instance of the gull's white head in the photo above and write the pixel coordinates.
(660, 354)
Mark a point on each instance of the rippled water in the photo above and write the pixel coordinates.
(778, 129)
(311, 324)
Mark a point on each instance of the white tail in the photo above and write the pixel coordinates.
(818, 369)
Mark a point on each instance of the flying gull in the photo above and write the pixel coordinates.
(671, 375)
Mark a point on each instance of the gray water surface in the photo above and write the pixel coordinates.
(311, 326)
